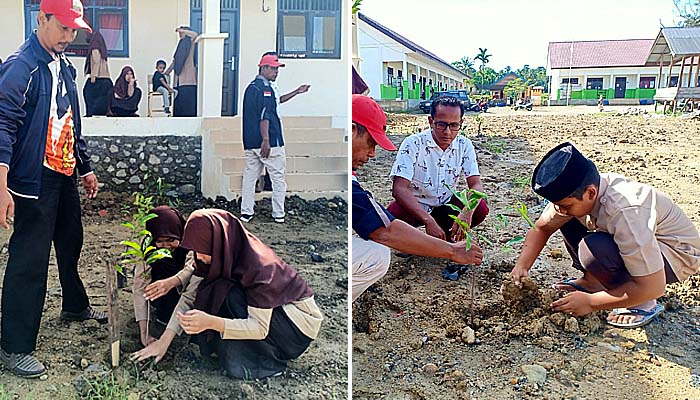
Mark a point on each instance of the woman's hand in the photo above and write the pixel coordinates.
(156, 349)
(160, 288)
(196, 321)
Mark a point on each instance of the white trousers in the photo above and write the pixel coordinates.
(370, 262)
(276, 165)
(166, 96)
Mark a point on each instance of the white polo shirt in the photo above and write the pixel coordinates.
(429, 168)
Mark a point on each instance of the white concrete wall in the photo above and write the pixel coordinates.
(329, 78)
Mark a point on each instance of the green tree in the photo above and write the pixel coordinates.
(483, 57)
(356, 6)
(466, 65)
(515, 88)
(689, 11)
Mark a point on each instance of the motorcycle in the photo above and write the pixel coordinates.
(478, 107)
(523, 106)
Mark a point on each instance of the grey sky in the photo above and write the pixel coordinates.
(516, 32)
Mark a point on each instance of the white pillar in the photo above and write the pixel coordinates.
(211, 60)
(418, 78)
(639, 77)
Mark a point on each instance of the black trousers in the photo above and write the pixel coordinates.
(53, 217)
(598, 254)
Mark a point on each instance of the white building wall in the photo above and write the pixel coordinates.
(329, 78)
(375, 49)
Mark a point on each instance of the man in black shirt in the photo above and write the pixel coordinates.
(262, 140)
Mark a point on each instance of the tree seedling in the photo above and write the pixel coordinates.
(470, 199)
(139, 249)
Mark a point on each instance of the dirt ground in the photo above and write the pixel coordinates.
(69, 349)
(416, 335)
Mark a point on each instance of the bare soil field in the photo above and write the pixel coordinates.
(72, 351)
(418, 336)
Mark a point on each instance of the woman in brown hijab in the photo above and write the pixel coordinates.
(98, 89)
(163, 277)
(127, 94)
(250, 307)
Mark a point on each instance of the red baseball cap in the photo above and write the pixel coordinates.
(366, 112)
(270, 60)
(68, 12)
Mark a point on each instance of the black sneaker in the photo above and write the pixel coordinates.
(24, 365)
(246, 217)
(85, 315)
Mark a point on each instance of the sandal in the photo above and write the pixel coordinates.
(647, 316)
(571, 282)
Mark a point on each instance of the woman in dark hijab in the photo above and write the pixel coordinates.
(127, 95)
(162, 278)
(250, 308)
(185, 63)
(98, 89)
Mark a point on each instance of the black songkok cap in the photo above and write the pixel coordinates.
(561, 172)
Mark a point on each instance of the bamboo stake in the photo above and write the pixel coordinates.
(113, 312)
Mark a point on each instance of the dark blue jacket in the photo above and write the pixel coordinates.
(25, 99)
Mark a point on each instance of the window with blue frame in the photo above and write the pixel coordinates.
(309, 28)
(109, 17)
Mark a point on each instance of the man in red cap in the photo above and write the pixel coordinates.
(377, 229)
(262, 140)
(41, 152)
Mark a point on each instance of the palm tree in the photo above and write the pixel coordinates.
(465, 64)
(484, 58)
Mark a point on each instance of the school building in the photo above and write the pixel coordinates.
(311, 38)
(397, 69)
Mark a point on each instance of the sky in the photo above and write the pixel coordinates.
(517, 32)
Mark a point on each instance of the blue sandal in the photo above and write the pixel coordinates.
(571, 282)
(647, 316)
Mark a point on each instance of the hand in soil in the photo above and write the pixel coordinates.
(518, 273)
(160, 288)
(156, 349)
(433, 229)
(574, 303)
(462, 256)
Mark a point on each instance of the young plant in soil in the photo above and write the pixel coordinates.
(470, 199)
(139, 250)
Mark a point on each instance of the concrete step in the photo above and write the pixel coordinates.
(304, 182)
(231, 150)
(234, 165)
(292, 135)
